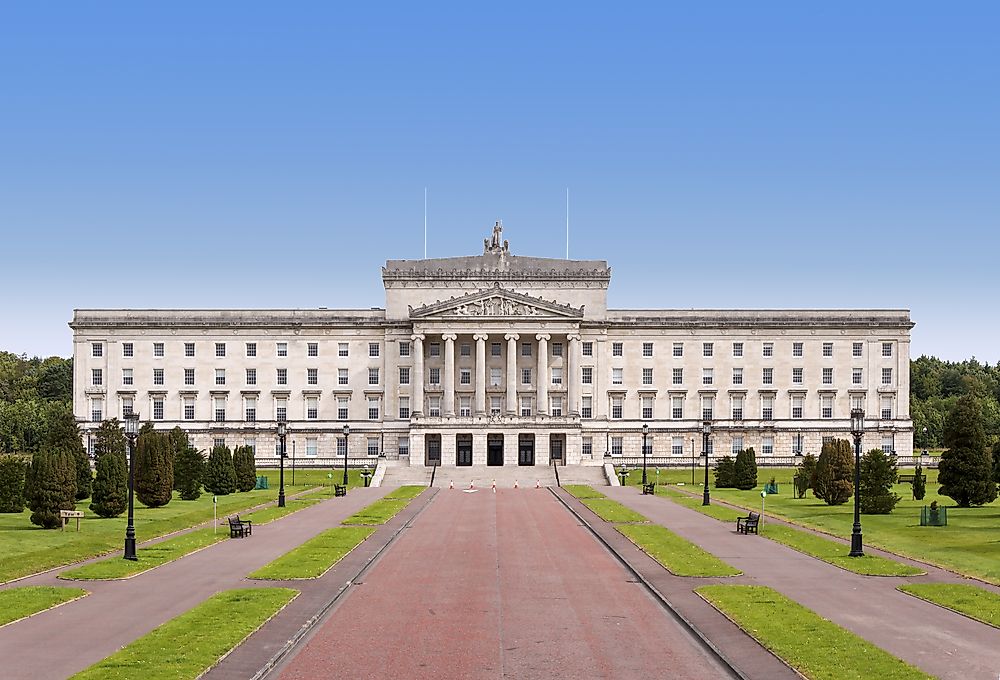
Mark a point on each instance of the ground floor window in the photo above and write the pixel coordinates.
(677, 446)
(341, 446)
(767, 446)
(403, 446)
(373, 446)
(616, 446)
(311, 446)
(587, 447)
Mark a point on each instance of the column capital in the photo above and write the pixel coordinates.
(417, 336)
(449, 336)
(511, 336)
(573, 337)
(480, 336)
(543, 336)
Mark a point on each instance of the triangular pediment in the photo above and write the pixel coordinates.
(497, 303)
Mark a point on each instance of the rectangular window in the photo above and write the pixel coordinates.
(647, 349)
(525, 349)
(737, 349)
(616, 376)
(342, 407)
(404, 348)
(767, 349)
(647, 376)
(465, 350)
(796, 349)
(189, 376)
(434, 407)
(342, 349)
(707, 349)
(127, 405)
(647, 445)
(157, 376)
(495, 349)
(858, 401)
(372, 448)
(96, 349)
(677, 408)
(188, 408)
(495, 377)
(678, 349)
(678, 376)
(737, 444)
(797, 376)
(157, 349)
(677, 446)
(282, 376)
(465, 376)
(767, 377)
(886, 376)
(404, 375)
(525, 376)
(372, 408)
(737, 376)
(617, 407)
(767, 445)
(434, 349)
(617, 349)
(189, 349)
(588, 349)
(887, 444)
(126, 376)
(557, 348)
(707, 376)
(828, 349)
(158, 409)
(494, 406)
(220, 349)
(827, 376)
(525, 407)
(404, 408)
(887, 349)
(403, 446)
(373, 376)
(587, 409)
(251, 444)
(647, 408)
(587, 447)
(797, 404)
(128, 350)
(587, 375)
(312, 376)
(312, 349)
(737, 407)
(556, 408)
(857, 376)
(434, 376)
(465, 407)
(281, 409)
(767, 407)
(96, 410)
(251, 349)
(797, 443)
(707, 407)
(282, 349)
(616, 446)
(373, 349)
(250, 409)
(342, 376)
(886, 410)
(856, 349)
(342, 446)
(557, 376)
(311, 447)
(219, 405)
(826, 406)
(312, 408)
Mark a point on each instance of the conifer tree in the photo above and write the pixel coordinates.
(154, 468)
(245, 467)
(53, 487)
(11, 483)
(220, 476)
(745, 470)
(110, 485)
(878, 474)
(919, 483)
(804, 475)
(63, 434)
(833, 480)
(725, 473)
(178, 442)
(189, 471)
(965, 472)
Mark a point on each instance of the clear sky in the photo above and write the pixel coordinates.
(718, 154)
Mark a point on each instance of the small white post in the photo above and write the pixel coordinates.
(760, 522)
(215, 514)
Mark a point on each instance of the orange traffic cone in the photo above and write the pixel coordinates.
(451, 485)
(472, 484)
(537, 484)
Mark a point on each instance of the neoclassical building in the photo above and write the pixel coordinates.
(499, 359)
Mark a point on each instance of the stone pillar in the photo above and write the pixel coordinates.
(543, 374)
(449, 374)
(572, 376)
(512, 339)
(417, 407)
(480, 339)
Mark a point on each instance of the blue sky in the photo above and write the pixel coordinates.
(717, 155)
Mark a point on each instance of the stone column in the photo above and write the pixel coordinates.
(543, 374)
(512, 339)
(449, 374)
(480, 339)
(417, 407)
(572, 376)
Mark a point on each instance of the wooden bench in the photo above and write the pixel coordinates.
(744, 525)
(649, 489)
(339, 490)
(906, 479)
(239, 528)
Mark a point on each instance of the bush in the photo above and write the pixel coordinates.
(189, 469)
(154, 468)
(53, 487)
(725, 473)
(745, 470)
(878, 474)
(804, 475)
(965, 472)
(833, 480)
(246, 468)
(220, 475)
(111, 485)
(919, 483)
(11, 483)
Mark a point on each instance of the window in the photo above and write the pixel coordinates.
(827, 376)
(495, 349)
(282, 348)
(189, 376)
(617, 407)
(404, 408)
(886, 410)
(158, 409)
(403, 446)
(342, 349)
(525, 376)
(525, 407)
(342, 406)
(250, 409)
(617, 349)
(404, 375)
(251, 349)
(312, 376)
(707, 407)
(886, 376)
(588, 349)
(767, 407)
(678, 376)
(465, 407)
(557, 376)
(797, 376)
(677, 407)
(557, 349)
(282, 376)
(312, 349)
(189, 349)
(767, 445)
(737, 349)
(373, 376)
(587, 375)
(525, 349)
(220, 349)
(647, 445)
(220, 376)
(219, 405)
(616, 446)
(342, 446)
(434, 377)
(616, 376)
(157, 349)
(465, 350)
(372, 448)
(434, 349)
(737, 376)
(856, 349)
(767, 377)
(556, 408)
(888, 446)
(738, 407)
(796, 349)
(797, 443)
(434, 407)
(372, 408)
(404, 348)
(188, 408)
(587, 409)
(127, 405)
(494, 406)
(828, 349)
(647, 376)
(312, 408)
(858, 401)
(647, 407)
(707, 349)
(251, 376)
(128, 350)
(707, 376)
(587, 447)
(373, 349)
(158, 376)
(797, 402)
(767, 349)
(465, 376)
(96, 410)
(126, 376)
(495, 374)
(737, 444)
(647, 349)
(96, 349)
(887, 349)
(311, 447)
(341, 376)
(856, 376)
(677, 446)
(281, 409)
(826, 406)
(678, 349)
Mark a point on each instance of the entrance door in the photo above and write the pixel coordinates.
(526, 449)
(556, 450)
(463, 450)
(432, 455)
(494, 449)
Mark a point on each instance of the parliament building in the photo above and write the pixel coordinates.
(499, 359)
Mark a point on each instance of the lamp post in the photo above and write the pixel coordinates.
(693, 466)
(131, 432)
(282, 433)
(347, 433)
(706, 431)
(645, 433)
(857, 430)
(925, 440)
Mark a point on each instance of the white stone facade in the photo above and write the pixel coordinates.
(499, 359)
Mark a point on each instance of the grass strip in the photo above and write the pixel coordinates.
(817, 648)
(972, 601)
(17, 603)
(677, 555)
(405, 493)
(316, 556)
(582, 491)
(150, 556)
(722, 513)
(190, 644)
(273, 512)
(612, 511)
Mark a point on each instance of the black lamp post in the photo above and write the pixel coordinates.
(857, 430)
(347, 448)
(693, 466)
(706, 431)
(645, 433)
(131, 432)
(282, 433)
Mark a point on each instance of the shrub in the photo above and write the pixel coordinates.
(833, 480)
(189, 470)
(965, 472)
(220, 475)
(745, 470)
(246, 468)
(53, 487)
(878, 474)
(154, 468)
(725, 473)
(919, 483)
(111, 485)
(11, 483)
(804, 475)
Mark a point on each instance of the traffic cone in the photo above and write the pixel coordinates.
(451, 485)
(494, 486)
(538, 484)
(515, 483)
(472, 484)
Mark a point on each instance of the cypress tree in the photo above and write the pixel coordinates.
(63, 434)
(53, 487)
(878, 474)
(111, 485)
(154, 468)
(189, 469)
(833, 480)
(246, 468)
(220, 475)
(919, 483)
(178, 442)
(965, 472)
(996, 462)
(11, 483)
(804, 475)
(725, 473)
(745, 470)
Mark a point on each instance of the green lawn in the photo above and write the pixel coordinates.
(150, 557)
(404, 493)
(384, 509)
(970, 600)
(814, 646)
(190, 644)
(679, 556)
(17, 603)
(316, 556)
(582, 491)
(834, 552)
(612, 511)
(273, 512)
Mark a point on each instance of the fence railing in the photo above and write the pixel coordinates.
(762, 461)
(314, 462)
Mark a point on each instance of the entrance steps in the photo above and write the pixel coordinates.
(483, 476)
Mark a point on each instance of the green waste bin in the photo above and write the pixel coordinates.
(261, 482)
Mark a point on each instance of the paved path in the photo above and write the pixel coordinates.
(499, 585)
(117, 612)
(941, 642)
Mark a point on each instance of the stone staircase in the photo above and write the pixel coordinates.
(483, 476)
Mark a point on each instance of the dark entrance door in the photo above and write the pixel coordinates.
(494, 449)
(526, 449)
(463, 450)
(556, 450)
(432, 454)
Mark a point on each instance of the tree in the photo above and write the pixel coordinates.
(178, 442)
(804, 475)
(11, 483)
(53, 487)
(189, 470)
(110, 438)
(63, 434)
(919, 483)
(111, 484)
(745, 470)
(220, 475)
(154, 468)
(245, 467)
(833, 480)
(878, 474)
(725, 473)
(965, 472)
(996, 462)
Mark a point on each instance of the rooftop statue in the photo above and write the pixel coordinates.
(496, 244)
